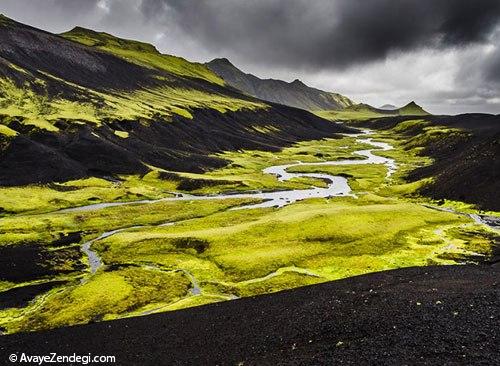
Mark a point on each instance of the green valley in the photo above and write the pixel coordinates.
(197, 252)
(133, 183)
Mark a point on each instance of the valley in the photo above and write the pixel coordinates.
(317, 211)
(177, 212)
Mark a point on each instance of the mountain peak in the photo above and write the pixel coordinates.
(79, 29)
(222, 61)
(413, 108)
(295, 93)
(4, 18)
(389, 107)
(299, 83)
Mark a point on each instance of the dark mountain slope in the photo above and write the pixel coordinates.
(295, 94)
(29, 54)
(465, 151)
(182, 145)
(94, 104)
(427, 315)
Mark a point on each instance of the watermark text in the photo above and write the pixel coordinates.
(55, 358)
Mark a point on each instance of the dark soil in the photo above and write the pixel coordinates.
(28, 262)
(21, 296)
(428, 315)
(181, 145)
(466, 166)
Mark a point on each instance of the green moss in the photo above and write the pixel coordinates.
(122, 134)
(45, 228)
(406, 125)
(348, 115)
(105, 296)
(361, 178)
(141, 53)
(6, 131)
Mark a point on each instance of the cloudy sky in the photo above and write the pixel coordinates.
(444, 54)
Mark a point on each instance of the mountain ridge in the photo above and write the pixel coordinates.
(296, 93)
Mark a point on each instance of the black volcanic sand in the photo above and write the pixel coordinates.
(422, 315)
(28, 262)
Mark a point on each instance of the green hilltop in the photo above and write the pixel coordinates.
(141, 53)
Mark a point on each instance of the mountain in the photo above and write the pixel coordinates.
(295, 94)
(389, 107)
(364, 111)
(86, 103)
(411, 109)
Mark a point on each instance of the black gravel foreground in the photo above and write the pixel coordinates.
(428, 315)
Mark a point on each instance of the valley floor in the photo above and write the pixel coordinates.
(438, 315)
(65, 266)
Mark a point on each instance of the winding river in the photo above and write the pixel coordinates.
(337, 186)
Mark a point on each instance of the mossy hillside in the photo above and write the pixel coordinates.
(42, 111)
(361, 112)
(7, 132)
(130, 80)
(349, 115)
(141, 53)
(38, 110)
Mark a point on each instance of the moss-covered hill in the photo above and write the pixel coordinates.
(364, 111)
(86, 103)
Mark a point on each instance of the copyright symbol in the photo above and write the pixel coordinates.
(13, 358)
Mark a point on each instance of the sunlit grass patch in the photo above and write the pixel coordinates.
(105, 296)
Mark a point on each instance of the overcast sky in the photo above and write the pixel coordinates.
(444, 54)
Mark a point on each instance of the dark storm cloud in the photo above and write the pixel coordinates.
(325, 33)
(76, 5)
(493, 68)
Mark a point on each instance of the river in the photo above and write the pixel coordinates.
(337, 186)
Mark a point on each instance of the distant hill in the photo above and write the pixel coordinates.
(295, 94)
(389, 107)
(363, 111)
(411, 109)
